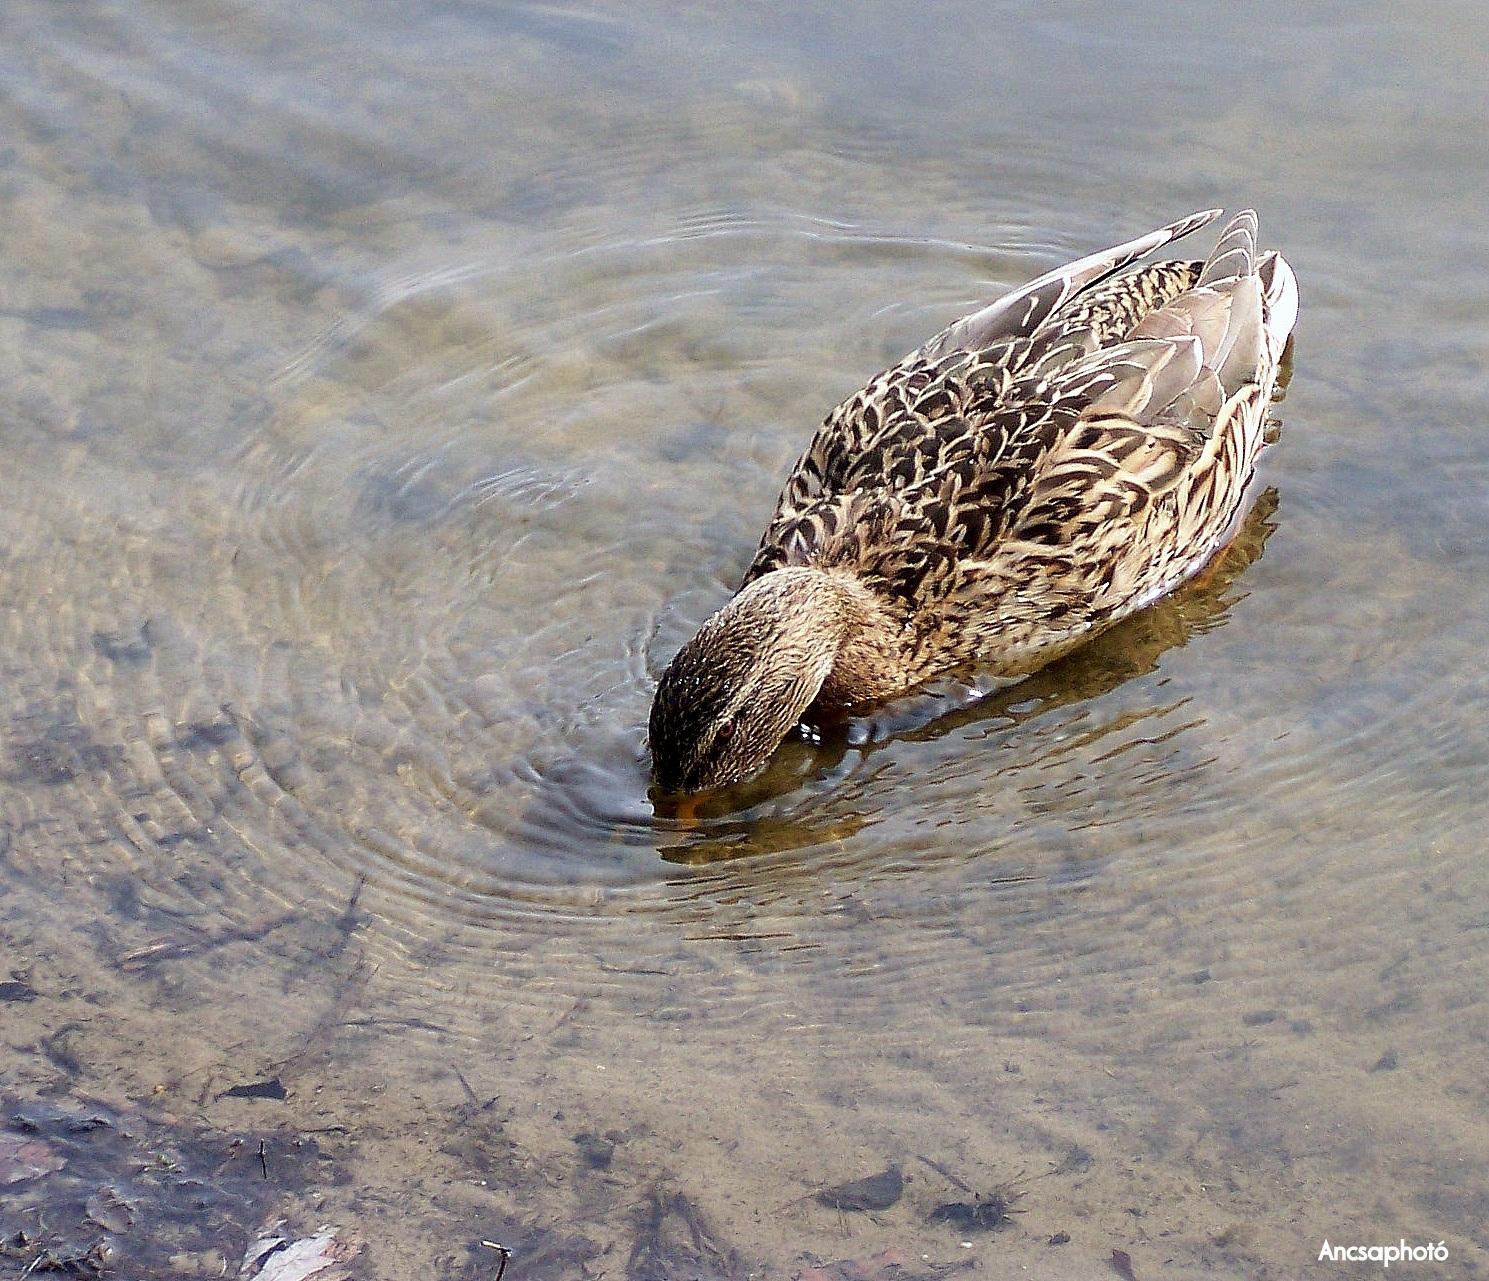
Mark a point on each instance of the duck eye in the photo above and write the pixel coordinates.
(725, 732)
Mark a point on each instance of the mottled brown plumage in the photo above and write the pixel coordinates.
(1034, 473)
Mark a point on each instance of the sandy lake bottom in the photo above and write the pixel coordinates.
(385, 391)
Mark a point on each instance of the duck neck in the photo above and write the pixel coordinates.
(864, 650)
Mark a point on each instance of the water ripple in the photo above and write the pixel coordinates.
(481, 509)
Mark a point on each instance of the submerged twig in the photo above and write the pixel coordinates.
(346, 924)
(323, 1032)
(503, 1251)
(945, 1174)
(141, 958)
(470, 1094)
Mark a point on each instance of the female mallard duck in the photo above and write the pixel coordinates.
(1036, 472)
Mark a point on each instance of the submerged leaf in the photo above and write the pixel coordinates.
(875, 1192)
(25, 1158)
(110, 1210)
(273, 1088)
(317, 1258)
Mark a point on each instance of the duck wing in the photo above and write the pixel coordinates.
(946, 396)
(1180, 405)
(1037, 474)
(1026, 309)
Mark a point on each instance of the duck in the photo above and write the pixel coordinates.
(1033, 474)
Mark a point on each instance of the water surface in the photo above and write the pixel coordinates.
(385, 393)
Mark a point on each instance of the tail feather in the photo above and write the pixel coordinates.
(1279, 301)
(1241, 353)
(1023, 310)
(1240, 309)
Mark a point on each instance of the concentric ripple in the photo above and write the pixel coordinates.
(405, 654)
(374, 619)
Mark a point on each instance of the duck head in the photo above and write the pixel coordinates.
(743, 682)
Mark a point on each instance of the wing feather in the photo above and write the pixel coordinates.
(1135, 378)
(1026, 308)
(1234, 255)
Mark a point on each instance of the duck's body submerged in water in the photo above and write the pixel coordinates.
(1037, 471)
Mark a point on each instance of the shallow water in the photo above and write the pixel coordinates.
(386, 391)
